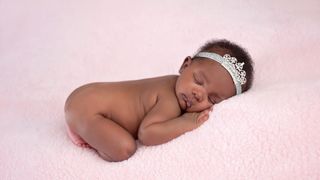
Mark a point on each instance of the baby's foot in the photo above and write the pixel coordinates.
(76, 139)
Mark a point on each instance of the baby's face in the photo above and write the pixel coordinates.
(201, 84)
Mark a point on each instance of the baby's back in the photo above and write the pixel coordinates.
(126, 103)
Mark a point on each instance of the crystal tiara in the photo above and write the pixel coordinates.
(231, 65)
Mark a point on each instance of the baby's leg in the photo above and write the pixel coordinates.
(112, 142)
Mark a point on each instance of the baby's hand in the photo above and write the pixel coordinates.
(197, 118)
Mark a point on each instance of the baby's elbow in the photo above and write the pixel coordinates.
(145, 137)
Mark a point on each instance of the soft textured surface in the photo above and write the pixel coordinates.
(48, 48)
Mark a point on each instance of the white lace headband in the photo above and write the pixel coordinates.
(231, 65)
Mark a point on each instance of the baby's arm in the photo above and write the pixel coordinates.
(159, 126)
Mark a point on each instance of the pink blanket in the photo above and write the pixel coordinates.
(48, 48)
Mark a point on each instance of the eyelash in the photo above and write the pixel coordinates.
(211, 101)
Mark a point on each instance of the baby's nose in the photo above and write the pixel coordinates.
(198, 96)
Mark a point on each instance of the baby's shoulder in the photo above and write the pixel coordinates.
(163, 86)
(167, 97)
(166, 84)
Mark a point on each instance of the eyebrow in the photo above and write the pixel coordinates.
(207, 81)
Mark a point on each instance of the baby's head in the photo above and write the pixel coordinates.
(212, 75)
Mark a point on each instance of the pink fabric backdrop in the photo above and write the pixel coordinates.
(48, 48)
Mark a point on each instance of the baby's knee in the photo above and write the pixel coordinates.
(123, 152)
(127, 149)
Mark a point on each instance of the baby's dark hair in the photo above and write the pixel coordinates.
(223, 46)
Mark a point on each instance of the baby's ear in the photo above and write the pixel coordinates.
(186, 63)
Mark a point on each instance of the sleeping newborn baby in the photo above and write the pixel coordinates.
(110, 116)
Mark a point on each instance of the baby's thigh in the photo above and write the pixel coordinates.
(113, 142)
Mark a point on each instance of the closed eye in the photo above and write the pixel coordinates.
(197, 80)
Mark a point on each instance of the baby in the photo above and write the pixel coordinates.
(110, 116)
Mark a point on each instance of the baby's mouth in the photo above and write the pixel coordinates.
(187, 101)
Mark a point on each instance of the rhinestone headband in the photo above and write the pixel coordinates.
(231, 65)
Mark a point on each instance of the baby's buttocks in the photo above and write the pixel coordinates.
(84, 101)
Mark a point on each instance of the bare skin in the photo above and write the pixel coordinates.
(109, 117)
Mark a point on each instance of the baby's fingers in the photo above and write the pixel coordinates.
(204, 115)
(202, 119)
